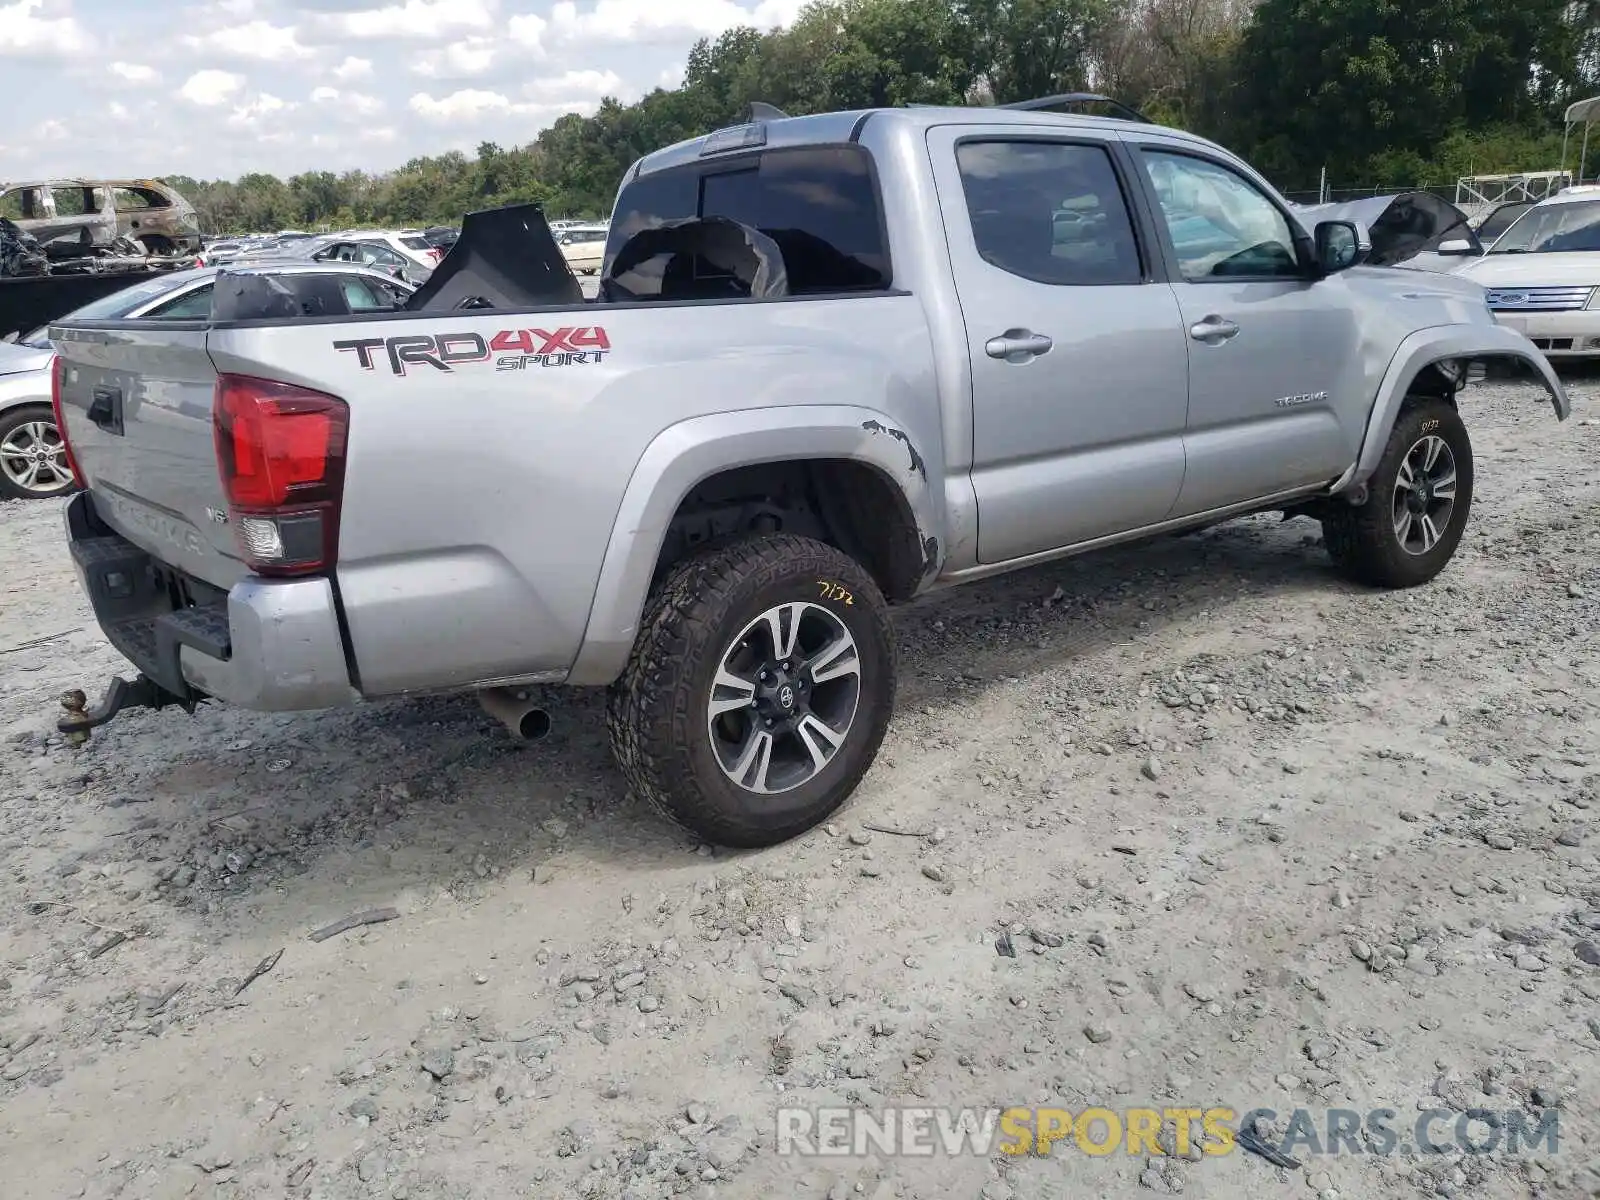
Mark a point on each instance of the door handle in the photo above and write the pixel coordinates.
(105, 409)
(1018, 345)
(1213, 330)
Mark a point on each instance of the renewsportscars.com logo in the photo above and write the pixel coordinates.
(517, 349)
(1100, 1132)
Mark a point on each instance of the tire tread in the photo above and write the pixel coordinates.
(649, 713)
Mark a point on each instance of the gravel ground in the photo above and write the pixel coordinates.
(1254, 838)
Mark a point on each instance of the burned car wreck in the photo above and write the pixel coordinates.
(64, 243)
(72, 215)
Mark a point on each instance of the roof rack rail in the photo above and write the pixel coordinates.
(765, 112)
(1063, 101)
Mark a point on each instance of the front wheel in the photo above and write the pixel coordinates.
(758, 692)
(1417, 502)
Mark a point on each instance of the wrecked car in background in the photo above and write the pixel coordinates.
(155, 216)
(96, 212)
(56, 211)
(1417, 230)
(54, 259)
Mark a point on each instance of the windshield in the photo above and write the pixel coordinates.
(1553, 228)
(1500, 220)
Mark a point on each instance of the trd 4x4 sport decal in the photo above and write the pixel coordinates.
(511, 349)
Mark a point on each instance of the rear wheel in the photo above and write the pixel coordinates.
(758, 692)
(33, 458)
(1417, 502)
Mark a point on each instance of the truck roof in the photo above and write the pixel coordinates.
(825, 128)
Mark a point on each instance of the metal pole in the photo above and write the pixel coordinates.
(1322, 187)
(1583, 159)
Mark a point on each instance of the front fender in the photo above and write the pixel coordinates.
(690, 452)
(1428, 346)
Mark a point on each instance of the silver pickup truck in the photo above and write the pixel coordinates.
(836, 362)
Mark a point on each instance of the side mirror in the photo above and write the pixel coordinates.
(1458, 248)
(1340, 245)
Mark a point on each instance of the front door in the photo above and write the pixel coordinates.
(1272, 350)
(1079, 362)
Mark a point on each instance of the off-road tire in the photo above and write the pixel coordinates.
(657, 709)
(1361, 539)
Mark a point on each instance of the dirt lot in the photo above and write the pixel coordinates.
(1255, 838)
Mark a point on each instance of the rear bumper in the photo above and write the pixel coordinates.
(264, 644)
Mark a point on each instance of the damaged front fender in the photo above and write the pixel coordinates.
(1425, 348)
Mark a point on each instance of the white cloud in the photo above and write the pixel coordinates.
(671, 77)
(53, 130)
(665, 20)
(24, 31)
(258, 40)
(118, 110)
(210, 87)
(575, 84)
(353, 68)
(349, 102)
(252, 113)
(472, 104)
(417, 19)
(527, 30)
(136, 73)
(457, 106)
(459, 60)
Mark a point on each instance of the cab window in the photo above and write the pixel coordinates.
(1222, 226)
(1052, 212)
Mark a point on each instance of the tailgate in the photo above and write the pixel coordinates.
(137, 400)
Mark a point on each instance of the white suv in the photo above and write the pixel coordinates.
(1542, 277)
(584, 247)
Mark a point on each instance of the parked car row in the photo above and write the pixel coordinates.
(423, 249)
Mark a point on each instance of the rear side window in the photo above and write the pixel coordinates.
(819, 204)
(193, 307)
(414, 243)
(1052, 212)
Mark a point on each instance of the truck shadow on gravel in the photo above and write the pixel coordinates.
(416, 796)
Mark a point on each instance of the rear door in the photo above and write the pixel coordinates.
(1272, 351)
(1079, 363)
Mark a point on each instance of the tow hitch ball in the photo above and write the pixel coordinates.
(143, 692)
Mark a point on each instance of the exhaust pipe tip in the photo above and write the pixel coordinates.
(518, 711)
(534, 725)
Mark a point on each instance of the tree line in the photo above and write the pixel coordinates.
(1380, 93)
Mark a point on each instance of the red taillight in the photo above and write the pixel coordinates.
(58, 373)
(280, 451)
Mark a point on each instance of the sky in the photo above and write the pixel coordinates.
(120, 88)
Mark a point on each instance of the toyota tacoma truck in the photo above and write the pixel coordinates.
(835, 362)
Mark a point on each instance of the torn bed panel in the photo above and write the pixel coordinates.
(504, 258)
